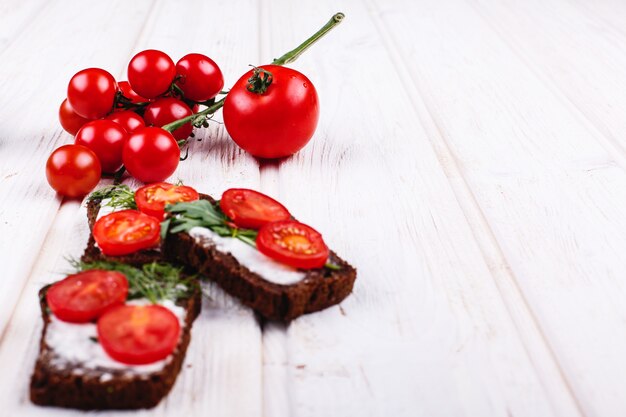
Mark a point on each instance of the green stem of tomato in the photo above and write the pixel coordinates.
(295, 54)
(287, 58)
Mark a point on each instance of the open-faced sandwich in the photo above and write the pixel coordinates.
(114, 335)
(246, 242)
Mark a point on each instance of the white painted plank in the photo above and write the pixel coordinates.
(15, 18)
(426, 331)
(549, 189)
(34, 72)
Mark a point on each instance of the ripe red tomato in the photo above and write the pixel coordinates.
(91, 93)
(128, 119)
(200, 77)
(128, 92)
(126, 231)
(73, 170)
(138, 335)
(293, 243)
(70, 121)
(151, 154)
(276, 123)
(251, 209)
(83, 297)
(151, 199)
(151, 72)
(167, 110)
(106, 139)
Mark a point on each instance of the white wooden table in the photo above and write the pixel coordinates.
(470, 161)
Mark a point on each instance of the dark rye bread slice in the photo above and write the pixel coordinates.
(51, 386)
(321, 288)
(92, 252)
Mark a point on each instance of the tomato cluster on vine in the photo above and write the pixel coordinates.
(117, 124)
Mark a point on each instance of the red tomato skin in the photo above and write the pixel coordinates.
(166, 110)
(65, 301)
(277, 123)
(200, 77)
(157, 209)
(128, 119)
(128, 92)
(267, 246)
(133, 340)
(251, 209)
(106, 139)
(151, 154)
(91, 93)
(70, 121)
(150, 73)
(110, 243)
(73, 170)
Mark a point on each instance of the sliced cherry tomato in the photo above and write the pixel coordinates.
(151, 154)
(126, 231)
(151, 199)
(70, 121)
(83, 297)
(91, 93)
(293, 243)
(151, 72)
(138, 335)
(200, 77)
(166, 110)
(128, 119)
(73, 170)
(128, 92)
(106, 139)
(250, 209)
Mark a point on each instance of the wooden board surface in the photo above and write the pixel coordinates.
(469, 161)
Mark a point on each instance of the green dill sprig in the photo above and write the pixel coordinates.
(154, 281)
(201, 213)
(120, 196)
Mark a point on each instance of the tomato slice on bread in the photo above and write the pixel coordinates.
(293, 243)
(250, 209)
(151, 199)
(137, 335)
(82, 297)
(126, 231)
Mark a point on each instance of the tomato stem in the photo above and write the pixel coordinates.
(197, 119)
(295, 53)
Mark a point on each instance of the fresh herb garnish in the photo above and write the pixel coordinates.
(201, 213)
(120, 196)
(154, 281)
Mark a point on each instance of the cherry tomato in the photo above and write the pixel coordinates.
(83, 297)
(167, 110)
(151, 72)
(73, 170)
(126, 231)
(293, 243)
(70, 121)
(106, 139)
(128, 92)
(151, 154)
(251, 209)
(128, 119)
(276, 123)
(151, 199)
(91, 93)
(138, 335)
(200, 77)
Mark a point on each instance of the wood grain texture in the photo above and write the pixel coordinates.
(548, 187)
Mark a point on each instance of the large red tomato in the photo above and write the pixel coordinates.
(73, 170)
(151, 154)
(274, 123)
